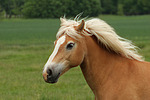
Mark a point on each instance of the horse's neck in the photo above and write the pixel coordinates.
(98, 65)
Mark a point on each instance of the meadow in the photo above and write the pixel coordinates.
(26, 44)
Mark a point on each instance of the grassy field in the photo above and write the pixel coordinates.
(25, 45)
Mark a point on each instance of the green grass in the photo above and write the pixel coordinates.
(25, 45)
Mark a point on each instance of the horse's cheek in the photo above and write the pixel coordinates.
(77, 58)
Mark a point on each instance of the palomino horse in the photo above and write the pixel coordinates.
(110, 64)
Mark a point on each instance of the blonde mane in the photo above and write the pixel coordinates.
(104, 33)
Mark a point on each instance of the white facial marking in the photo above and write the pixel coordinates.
(58, 44)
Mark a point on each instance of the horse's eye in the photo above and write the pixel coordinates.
(70, 46)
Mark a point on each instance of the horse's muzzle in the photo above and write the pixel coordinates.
(51, 77)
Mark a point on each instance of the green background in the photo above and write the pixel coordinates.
(26, 44)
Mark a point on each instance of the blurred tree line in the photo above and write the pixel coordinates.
(57, 8)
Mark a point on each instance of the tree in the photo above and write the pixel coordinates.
(88, 7)
(11, 7)
(7, 6)
(109, 6)
(120, 7)
(143, 6)
(57, 8)
(17, 7)
(136, 7)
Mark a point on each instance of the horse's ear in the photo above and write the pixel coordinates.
(80, 27)
(62, 20)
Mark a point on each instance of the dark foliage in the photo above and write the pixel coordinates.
(57, 8)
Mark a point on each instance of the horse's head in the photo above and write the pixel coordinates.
(68, 53)
(73, 44)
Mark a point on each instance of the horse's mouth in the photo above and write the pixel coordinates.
(53, 79)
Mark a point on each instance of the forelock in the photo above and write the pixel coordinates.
(68, 28)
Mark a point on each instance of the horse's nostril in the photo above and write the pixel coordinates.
(49, 72)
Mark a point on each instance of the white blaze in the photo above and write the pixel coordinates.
(60, 41)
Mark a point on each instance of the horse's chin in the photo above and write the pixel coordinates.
(53, 82)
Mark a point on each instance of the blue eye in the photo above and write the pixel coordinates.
(70, 46)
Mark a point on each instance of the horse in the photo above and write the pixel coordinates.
(111, 65)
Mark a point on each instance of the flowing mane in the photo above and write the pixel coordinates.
(105, 35)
